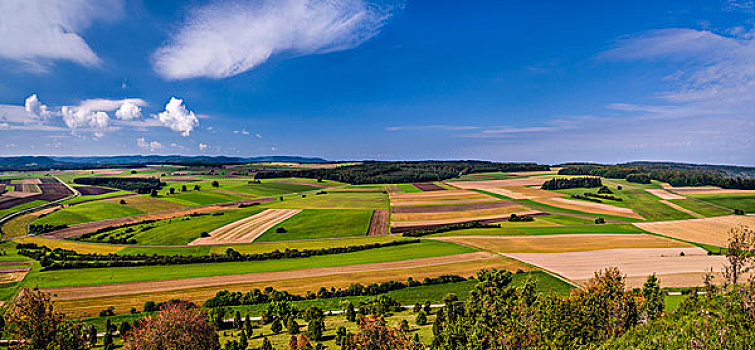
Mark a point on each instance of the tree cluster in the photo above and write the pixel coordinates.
(445, 228)
(256, 296)
(674, 174)
(135, 184)
(572, 182)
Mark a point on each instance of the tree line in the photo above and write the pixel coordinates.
(135, 184)
(698, 176)
(63, 259)
(372, 172)
(256, 296)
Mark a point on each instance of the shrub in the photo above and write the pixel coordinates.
(599, 221)
(421, 319)
(174, 327)
(280, 230)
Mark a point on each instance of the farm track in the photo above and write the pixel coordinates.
(79, 292)
(451, 208)
(379, 222)
(80, 229)
(562, 243)
(248, 229)
(683, 210)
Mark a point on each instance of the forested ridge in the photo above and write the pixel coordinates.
(372, 172)
(690, 175)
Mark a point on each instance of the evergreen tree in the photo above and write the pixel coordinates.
(653, 298)
(276, 327)
(421, 318)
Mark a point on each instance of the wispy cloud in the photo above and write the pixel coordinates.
(37, 32)
(432, 127)
(225, 38)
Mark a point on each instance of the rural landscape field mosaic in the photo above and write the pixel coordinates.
(109, 246)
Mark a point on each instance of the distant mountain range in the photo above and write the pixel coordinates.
(48, 162)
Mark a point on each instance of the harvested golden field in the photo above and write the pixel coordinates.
(528, 181)
(91, 306)
(663, 194)
(590, 207)
(633, 262)
(460, 215)
(196, 282)
(80, 247)
(713, 231)
(564, 243)
(247, 230)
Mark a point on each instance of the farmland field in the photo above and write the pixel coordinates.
(320, 223)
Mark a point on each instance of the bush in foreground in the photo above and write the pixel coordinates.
(177, 326)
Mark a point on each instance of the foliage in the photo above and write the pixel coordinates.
(639, 178)
(136, 184)
(572, 182)
(176, 326)
(445, 228)
(674, 174)
(34, 321)
(375, 334)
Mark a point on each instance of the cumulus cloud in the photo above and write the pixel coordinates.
(128, 111)
(152, 145)
(203, 147)
(226, 38)
(36, 32)
(177, 117)
(35, 108)
(79, 117)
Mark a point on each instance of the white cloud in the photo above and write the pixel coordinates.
(78, 117)
(226, 38)
(128, 111)
(37, 109)
(35, 32)
(203, 147)
(152, 145)
(177, 117)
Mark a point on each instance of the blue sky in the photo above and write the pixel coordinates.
(546, 81)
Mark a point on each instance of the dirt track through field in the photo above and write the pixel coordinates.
(590, 207)
(461, 215)
(681, 209)
(581, 266)
(378, 223)
(64, 293)
(80, 229)
(709, 190)
(248, 229)
(713, 231)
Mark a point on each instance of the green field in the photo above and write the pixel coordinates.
(335, 200)
(79, 199)
(255, 248)
(701, 207)
(636, 198)
(409, 188)
(81, 277)
(178, 231)
(321, 223)
(31, 204)
(106, 209)
(745, 202)
(203, 197)
(546, 230)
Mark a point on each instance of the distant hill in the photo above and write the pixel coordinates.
(48, 162)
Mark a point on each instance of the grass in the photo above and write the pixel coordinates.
(700, 207)
(276, 188)
(99, 196)
(16, 227)
(561, 219)
(637, 199)
(106, 209)
(335, 200)
(744, 202)
(321, 223)
(203, 197)
(63, 278)
(409, 188)
(17, 208)
(179, 231)
(552, 230)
